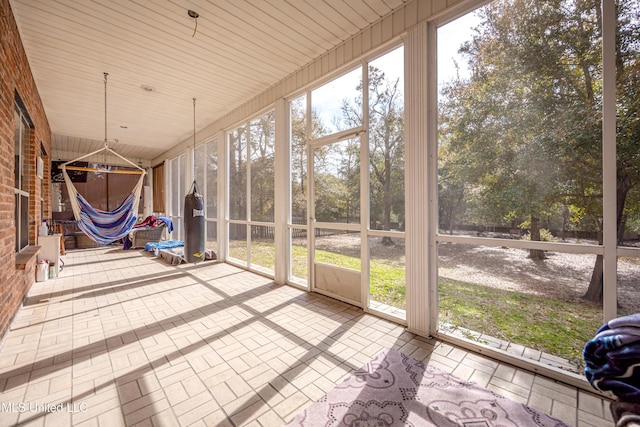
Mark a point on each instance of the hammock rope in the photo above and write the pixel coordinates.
(104, 227)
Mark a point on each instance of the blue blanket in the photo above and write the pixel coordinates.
(164, 244)
(168, 222)
(612, 358)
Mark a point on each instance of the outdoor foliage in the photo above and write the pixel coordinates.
(520, 138)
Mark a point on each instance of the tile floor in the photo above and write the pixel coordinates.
(120, 338)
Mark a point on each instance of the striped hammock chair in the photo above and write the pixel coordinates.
(104, 227)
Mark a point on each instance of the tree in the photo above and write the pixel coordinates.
(262, 150)
(386, 145)
(298, 161)
(299, 156)
(535, 93)
(238, 180)
(497, 133)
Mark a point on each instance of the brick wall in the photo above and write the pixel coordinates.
(16, 77)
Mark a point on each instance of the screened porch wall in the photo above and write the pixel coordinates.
(389, 30)
(408, 25)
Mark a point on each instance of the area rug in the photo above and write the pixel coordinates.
(396, 390)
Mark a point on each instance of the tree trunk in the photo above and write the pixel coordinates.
(387, 194)
(536, 254)
(594, 293)
(623, 185)
(387, 241)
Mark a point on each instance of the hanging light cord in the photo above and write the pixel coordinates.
(194, 124)
(105, 109)
(195, 28)
(194, 138)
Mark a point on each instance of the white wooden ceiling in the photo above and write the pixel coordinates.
(240, 48)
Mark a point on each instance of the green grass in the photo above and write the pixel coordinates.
(559, 328)
(556, 327)
(262, 253)
(299, 267)
(387, 284)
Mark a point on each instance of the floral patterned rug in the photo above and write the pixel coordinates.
(396, 390)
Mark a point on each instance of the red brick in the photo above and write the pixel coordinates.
(15, 76)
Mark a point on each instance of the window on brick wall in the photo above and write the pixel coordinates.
(22, 135)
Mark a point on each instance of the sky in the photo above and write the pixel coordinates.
(450, 37)
(327, 99)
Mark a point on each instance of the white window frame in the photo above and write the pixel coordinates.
(23, 158)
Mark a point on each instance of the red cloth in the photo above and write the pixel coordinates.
(150, 221)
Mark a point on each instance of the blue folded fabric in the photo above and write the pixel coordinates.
(612, 358)
(167, 221)
(164, 244)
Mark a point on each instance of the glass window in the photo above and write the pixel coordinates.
(387, 275)
(628, 290)
(298, 111)
(519, 134)
(263, 254)
(299, 265)
(520, 157)
(330, 104)
(252, 161)
(339, 248)
(238, 173)
(386, 141)
(212, 236)
(199, 167)
(499, 296)
(262, 149)
(337, 181)
(211, 166)
(238, 243)
(628, 98)
(22, 136)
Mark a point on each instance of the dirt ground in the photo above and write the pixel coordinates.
(561, 276)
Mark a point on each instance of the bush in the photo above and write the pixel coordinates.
(545, 236)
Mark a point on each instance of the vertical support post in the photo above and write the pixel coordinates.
(223, 191)
(418, 187)
(609, 161)
(365, 216)
(311, 191)
(282, 193)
